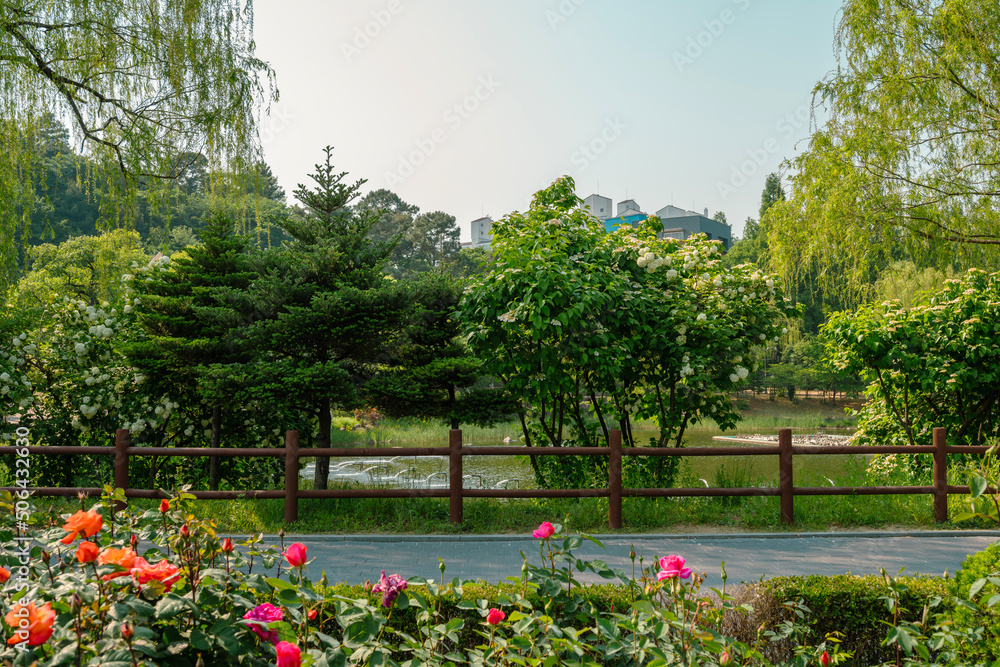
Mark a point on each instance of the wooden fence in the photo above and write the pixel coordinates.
(785, 451)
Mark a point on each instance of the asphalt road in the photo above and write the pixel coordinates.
(748, 557)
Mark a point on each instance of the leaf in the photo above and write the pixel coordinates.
(200, 640)
(977, 486)
(644, 606)
(281, 584)
(170, 605)
(976, 587)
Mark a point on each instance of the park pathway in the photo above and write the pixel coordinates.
(748, 557)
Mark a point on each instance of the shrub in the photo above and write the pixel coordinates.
(853, 606)
(976, 568)
(192, 598)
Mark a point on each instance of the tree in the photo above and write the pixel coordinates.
(142, 83)
(187, 329)
(86, 268)
(432, 244)
(935, 364)
(905, 167)
(772, 194)
(592, 329)
(323, 305)
(432, 373)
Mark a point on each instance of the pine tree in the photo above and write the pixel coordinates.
(329, 308)
(188, 329)
(432, 373)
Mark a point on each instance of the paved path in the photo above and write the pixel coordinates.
(748, 557)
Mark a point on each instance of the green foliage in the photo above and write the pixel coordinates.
(86, 268)
(322, 308)
(431, 373)
(904, 166)
(848, 604)
(421, 241)
(592, 329)
(145, 84)
(928, 366)
(984, 565)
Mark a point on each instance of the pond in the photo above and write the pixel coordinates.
(513, 472)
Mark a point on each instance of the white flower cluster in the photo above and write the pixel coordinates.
(649, 261)
(14, 385)
(508, 317)
(741, 373)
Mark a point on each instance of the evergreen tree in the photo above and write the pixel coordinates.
(772, 194)
(328, 307)
(432, 373)
(188, 330)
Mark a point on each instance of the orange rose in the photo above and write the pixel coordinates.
(86, 552)
(87, 523)
(163, 572)
(124, 558)
(31, 623)
(4, 575)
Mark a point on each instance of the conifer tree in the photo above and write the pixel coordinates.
(329, 307)
(189, 329)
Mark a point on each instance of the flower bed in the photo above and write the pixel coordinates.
(84, 595)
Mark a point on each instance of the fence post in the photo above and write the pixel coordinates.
(121, 463)
(940, 475)
(455, 475)
(615, 480)
(291, 476)
(785, 481)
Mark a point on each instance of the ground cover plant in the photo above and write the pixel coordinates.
(162, 587)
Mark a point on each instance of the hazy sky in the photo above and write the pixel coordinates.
(471, 106)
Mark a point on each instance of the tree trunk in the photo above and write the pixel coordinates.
(214, 462)
(323, 440)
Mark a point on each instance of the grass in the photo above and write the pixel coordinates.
(491, 515)
(641, 515)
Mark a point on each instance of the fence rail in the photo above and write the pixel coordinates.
(455, 452)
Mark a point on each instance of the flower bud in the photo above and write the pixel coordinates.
(281, 532)
(227, 546)
(87, 552)
(127, 632)
(75, 602)
(46, 557)
(185, 531)
(164, 505)
(312, 614)
(725, 659)
(824, 660)
(133, 540)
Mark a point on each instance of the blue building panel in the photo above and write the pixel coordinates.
(611, 224)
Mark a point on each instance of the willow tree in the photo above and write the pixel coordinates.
(907, 165)
(142, 84)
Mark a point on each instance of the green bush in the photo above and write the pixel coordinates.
(974, 568)
(848, 604)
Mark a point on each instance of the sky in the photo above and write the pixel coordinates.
(472, 106)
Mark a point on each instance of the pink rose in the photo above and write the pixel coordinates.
(296, 554)
(544, 531)
(288, 655)
(495, 616)
(259, 617)
(389, 587)
(672, 566)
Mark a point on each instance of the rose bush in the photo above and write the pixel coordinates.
(156, 597)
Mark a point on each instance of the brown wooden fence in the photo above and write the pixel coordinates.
(785, 451)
